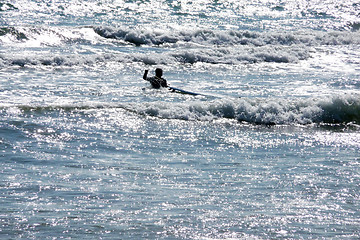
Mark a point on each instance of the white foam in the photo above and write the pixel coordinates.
(183, 46)
(220, 55)
(339, 110)
(229, 37)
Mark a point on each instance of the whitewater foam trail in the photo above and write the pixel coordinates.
(228, 56)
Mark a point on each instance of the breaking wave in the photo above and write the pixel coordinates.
(176, 38)
(333, 110)
(229, 37)
(173, 47)
(47, 36)
(191, 56)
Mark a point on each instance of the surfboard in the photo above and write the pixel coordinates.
(178, 90)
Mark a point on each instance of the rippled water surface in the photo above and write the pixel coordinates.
(268, 150)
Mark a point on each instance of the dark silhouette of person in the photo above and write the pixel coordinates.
(156, 81)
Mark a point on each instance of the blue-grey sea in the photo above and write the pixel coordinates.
(269, 150)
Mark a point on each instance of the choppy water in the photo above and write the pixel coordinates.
(269, 151)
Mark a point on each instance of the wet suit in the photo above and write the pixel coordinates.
(156, 81)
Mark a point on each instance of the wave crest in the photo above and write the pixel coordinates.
(332, 110)
(230, 37)
(221, 55)
(172, 47)
(336, 110)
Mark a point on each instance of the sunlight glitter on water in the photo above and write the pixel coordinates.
(89, 150)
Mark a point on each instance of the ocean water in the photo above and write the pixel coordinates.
(270, 150)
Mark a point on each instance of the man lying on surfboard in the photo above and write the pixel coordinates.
(156, 81)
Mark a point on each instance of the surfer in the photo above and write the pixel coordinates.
(156, 81)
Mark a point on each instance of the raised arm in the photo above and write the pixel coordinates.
(145, 74)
